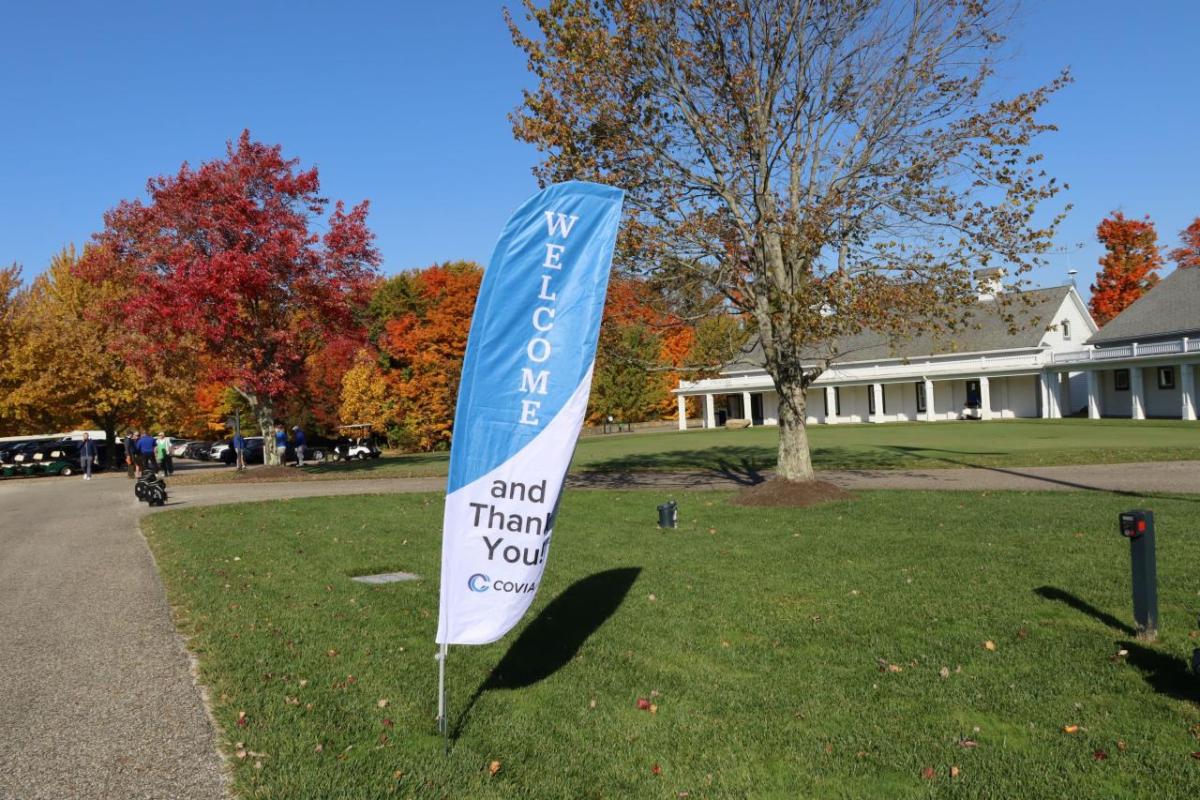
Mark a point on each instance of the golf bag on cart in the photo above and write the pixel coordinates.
(151, 488)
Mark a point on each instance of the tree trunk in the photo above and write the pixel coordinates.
(110, 439)
(795, 459)
(264, 415)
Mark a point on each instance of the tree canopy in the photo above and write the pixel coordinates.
(225, 261)
(828, 166)
(1129, 266)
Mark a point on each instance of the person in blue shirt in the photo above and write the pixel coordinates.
(145, 450)
(239, 450)
(298, 442)
(87, 454)
(280, 442)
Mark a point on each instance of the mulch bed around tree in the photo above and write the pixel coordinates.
(799, 494)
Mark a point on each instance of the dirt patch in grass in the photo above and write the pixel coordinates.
(799, 494)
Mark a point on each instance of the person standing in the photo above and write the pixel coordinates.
(280, 443)
(298, 442)
(239, 450)
(162, 448)
(87, 454)
(145, 448)
(131, 455)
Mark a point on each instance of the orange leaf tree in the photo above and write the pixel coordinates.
(426, 345)
(829, 167)
(1188, 255)
(1128, 267)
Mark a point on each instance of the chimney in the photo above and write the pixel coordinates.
(989, 282)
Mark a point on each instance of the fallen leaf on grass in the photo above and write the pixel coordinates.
(1121, 745)
(651, 598)
(955, 772)
(967, 743)
(1070, 729)
(1196, 756)
(382, 702)
(1100, 755)
(241, 754)
(656, 769)
(398, 774)
(493, 767)
(242, 720)
(928, 773)
(989, 645)
(387, 723)
(592, 703)
(320, 748)
(643, 704)
(944, 672)
(291, 701)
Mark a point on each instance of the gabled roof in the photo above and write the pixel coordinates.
(986, 331)
(1171, 307)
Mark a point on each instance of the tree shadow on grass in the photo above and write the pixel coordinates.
(1166, 674)
(554, 637)
(917, 452)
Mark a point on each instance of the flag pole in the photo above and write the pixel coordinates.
(443, 725)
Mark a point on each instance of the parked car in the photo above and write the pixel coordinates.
(217, 448)
(197, 450)
(180, 446)
(253, 453)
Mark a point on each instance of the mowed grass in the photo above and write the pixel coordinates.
(747, 452)
(789, 653)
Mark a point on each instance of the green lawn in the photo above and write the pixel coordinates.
(790, 653)
(1009, 443)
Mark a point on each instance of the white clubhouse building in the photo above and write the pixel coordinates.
(1054, 364)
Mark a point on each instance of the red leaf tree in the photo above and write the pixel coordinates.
(226, 263)
(1127, 270)
(1188, 256)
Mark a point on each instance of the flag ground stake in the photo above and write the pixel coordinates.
(442, 722)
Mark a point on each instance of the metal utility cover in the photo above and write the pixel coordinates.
(387, 577)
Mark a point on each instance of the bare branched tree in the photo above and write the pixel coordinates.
(830, 166)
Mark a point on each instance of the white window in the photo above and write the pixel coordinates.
(1066, 329)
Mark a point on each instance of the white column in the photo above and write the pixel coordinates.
(877, 390)
(929, 408)
(746, 413)
(1065, 403)
(985, 398)
(710, 415)
(1137, 394)
(830, 405)
(1093, 379)
(1049, 389)
(1187, 383)
(681, 402)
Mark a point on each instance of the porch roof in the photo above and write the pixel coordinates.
(987, 331)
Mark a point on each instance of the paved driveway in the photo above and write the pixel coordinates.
(96, 694)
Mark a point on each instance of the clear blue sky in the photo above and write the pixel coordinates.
(405, 104)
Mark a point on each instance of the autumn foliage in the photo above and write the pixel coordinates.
(1187, 256)
(225, 261)
(426, 345)
(1128, 267)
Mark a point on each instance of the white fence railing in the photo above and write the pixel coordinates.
(1178, 346)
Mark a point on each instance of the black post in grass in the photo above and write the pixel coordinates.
(1138, 527)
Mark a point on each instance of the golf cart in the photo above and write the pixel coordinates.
(355, 442)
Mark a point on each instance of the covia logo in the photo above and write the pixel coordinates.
(478, 582)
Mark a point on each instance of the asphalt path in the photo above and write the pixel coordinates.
(97, 694)
(97, 698)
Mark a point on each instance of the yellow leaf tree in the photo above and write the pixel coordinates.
(366, 398)
(66, 357)
(10, 301)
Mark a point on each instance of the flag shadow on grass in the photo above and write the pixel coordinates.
(552, 639)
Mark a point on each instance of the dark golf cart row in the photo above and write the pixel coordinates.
(48, 457)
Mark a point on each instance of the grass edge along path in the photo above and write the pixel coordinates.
(838, 651)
